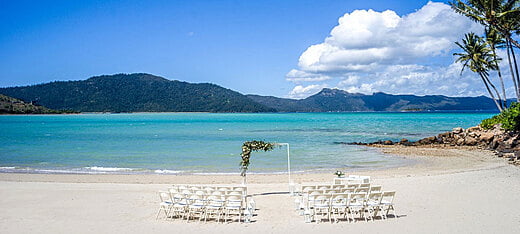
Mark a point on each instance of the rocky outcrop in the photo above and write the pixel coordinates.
(506, 144)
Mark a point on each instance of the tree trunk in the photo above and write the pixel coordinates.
(489, 91)
(507, 35)
(512, 41)
(517, 91)
(500, 101)
(516, 65)
(500, 76)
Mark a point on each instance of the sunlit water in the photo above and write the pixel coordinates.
(209, 143)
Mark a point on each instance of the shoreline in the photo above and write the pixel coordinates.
(421, 160)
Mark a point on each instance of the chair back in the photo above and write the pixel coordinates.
(375, 197)
(388, 197)
(179, 198)
(199, 192)
(237, 193)
(165, 196)
(173, 190)
(215, 201)
(375, 188)
(224, 189)
(306, 188)
(323, 187)
(340, 199)
(362, 190)
(186, 192)
(234, 201)
(217, 193)
(357, 199)
(347, 190)
(195, 199)
(329, 191)
(322, 200)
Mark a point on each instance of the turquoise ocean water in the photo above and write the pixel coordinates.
(209, 143)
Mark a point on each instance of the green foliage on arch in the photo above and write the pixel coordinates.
(250, 146)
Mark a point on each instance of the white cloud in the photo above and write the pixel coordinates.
(371, 51)
(350, 80)
(300, 91)
(298, 76)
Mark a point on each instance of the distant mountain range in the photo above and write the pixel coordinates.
(328, 100)
(142, 92)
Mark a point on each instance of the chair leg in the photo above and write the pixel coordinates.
(169, 213)
(158, 212)
(393, 209)
(226, 215)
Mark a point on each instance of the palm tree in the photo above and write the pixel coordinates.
(492, 13)
(503, 16)
(478, 58)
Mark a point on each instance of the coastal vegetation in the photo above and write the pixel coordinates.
(9, 105)
(508, 119)
(501, 20)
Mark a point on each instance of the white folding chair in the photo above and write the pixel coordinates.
(373, 204)
(357, 205)
(214, 206)
(165, 205)
(321, 207)
(338, 205)
(387, 203)
(233, 206)
(196, 207)
(180, 205)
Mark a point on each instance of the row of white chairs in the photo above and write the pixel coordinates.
(192, 203)
(347, 205)
(340, 188)
(208, 188)
(305, 188)
(352, 198)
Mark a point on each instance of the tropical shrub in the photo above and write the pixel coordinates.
(509, 119)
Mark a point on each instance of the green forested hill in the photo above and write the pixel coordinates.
(135, 93)
(9, 105)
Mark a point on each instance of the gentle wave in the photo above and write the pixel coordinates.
(167, 172)
(109, 169)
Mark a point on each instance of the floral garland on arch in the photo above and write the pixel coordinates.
(250, 146)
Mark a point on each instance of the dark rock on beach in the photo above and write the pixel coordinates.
(506, 144)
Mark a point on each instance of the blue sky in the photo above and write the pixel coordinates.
(249, 46)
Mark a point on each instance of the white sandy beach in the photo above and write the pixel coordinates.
(446, 191)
